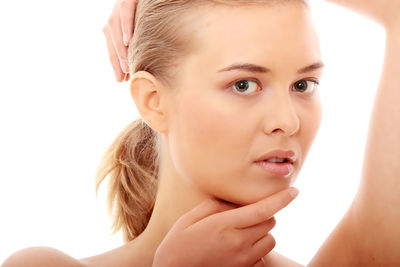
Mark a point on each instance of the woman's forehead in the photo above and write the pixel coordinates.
(275, 34)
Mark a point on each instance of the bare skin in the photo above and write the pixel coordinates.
(118, 32)
(368, 235)
(192, 226)
(374, 209)
(236, 179)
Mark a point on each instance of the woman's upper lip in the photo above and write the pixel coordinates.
(288, 154)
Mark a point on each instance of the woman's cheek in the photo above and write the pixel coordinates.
(194, 137)
(206, 140)
(310, 124)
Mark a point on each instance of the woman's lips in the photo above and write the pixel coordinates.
(283, 169)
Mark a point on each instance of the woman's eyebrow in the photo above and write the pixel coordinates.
(312, 67)
(260, 69)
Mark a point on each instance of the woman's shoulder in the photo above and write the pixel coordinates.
(41, 256)
(275, 259)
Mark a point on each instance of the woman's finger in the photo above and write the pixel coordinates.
(259, 263)
(263, 246)
(254, 233)
(127, 12)
(262, 210)
(119, 75)
(114, 24)
(204, 209)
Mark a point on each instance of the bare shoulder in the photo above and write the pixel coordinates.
(275, 259)
(41, 256)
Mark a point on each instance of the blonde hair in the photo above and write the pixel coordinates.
(132, 160)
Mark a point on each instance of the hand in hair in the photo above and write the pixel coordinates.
(215, 233)
(385, 12)
(118, 32)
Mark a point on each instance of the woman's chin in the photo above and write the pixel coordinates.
(253, 196)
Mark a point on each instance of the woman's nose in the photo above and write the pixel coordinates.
(281, 116)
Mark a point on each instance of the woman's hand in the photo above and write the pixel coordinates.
(219, 234)
(118, 32)
(385, 12)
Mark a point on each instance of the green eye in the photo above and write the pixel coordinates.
(245, 86)
(304, 85)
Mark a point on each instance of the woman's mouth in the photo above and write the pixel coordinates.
(281, 167)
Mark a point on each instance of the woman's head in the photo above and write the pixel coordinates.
(218, 83)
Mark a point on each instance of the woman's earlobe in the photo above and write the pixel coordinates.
(145, 91)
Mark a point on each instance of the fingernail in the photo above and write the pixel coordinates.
(125, 38)
(293, 192)
(124, 66)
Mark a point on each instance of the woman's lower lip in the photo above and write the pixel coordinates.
(283, 169)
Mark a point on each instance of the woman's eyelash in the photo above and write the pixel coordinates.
(243, 85)
(315, 83)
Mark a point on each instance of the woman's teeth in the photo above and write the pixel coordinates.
(276, 160)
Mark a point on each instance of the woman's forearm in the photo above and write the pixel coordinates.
(381, 166)
(369, 233)
(376, 207)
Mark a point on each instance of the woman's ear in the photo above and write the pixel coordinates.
(146, 91)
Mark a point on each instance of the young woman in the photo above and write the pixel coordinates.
(220, 90)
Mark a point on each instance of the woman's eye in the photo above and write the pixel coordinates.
(304, 85)
(245, 87)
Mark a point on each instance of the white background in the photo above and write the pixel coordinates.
(60, 108)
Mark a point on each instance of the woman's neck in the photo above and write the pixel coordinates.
(175, 197)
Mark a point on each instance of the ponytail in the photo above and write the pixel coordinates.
(132, 163)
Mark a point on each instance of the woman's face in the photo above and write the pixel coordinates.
(222, 121)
